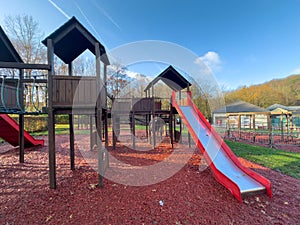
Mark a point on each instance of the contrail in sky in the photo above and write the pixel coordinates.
(59, 9)
(107, 15)
(87, 20)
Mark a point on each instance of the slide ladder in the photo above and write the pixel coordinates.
(226, 167)
(9, 131)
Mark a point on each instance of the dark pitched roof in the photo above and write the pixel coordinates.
(72, 39)
(172, 78)
(240, 107)
(288, 108)
(7, 51)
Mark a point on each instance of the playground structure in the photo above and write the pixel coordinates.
(87, 95)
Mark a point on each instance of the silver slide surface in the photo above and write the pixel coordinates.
(218, 156)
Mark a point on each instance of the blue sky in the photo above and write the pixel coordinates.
(244, 42)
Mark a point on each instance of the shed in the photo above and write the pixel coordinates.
(239, 108)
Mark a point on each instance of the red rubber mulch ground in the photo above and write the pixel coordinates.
(189, 197)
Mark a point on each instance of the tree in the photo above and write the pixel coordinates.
(26, 36)
(117, 79)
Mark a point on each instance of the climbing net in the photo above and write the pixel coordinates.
(23, 96)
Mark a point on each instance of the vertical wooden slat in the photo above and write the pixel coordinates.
(62, 92)
(69, 94)
(86, 91)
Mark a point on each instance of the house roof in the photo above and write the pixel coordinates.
(172, 78)
(72, 39)
(287, 108)
(240, 107)
(7, 51)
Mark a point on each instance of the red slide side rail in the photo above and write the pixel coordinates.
(220, 177)
(9, 131)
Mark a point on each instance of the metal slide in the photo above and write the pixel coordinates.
(227, 169)
(9, 131)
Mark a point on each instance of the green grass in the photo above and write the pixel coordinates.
(279, 160)
(60, 129)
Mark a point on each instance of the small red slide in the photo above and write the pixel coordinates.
(9, 131)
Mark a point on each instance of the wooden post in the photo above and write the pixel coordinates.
(105, 106)
(239, 126)
(189, 99)
(99, 117)
(51, 116)
(133, 128)
(170, 126)
(91, 133)
(114, 136)
(21, 117)
(228, 125)
(153, 118)
(270, 130)
(281, 126)
(71, 130)
(21, 137)
(254, 129)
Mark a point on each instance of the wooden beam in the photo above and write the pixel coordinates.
(16, 65)
(21, 118)
(99, 117)
(51, 117)
(105, 106)
(21, 137)
(71, 129)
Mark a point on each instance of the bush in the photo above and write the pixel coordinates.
(33, 123)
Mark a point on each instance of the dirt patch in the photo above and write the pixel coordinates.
(188, 197)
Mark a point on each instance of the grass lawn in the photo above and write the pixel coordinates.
(279, 160)
(60, 129)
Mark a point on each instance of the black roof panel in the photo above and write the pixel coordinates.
(7, 51)
(72, 39)
(172, 78)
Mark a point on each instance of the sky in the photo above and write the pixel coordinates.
(243, 42)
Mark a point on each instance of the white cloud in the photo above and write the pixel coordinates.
(296, 71)
(210, 59)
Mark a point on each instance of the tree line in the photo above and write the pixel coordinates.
(278, 91)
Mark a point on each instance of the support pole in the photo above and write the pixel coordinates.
(254, 129)
(21, 117)
(239, 126)
(71, 130)
(270, 130)
(21, 137)
(153, 117)
(99, 117)
(133, 129)
(91, 133)
(51, 116)
(105, 106)
(170, 126)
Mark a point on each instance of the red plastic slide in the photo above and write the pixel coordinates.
(9, 131)
(227, 169)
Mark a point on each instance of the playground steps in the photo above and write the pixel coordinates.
(9, 131)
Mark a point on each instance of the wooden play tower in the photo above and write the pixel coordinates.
(70, 94)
